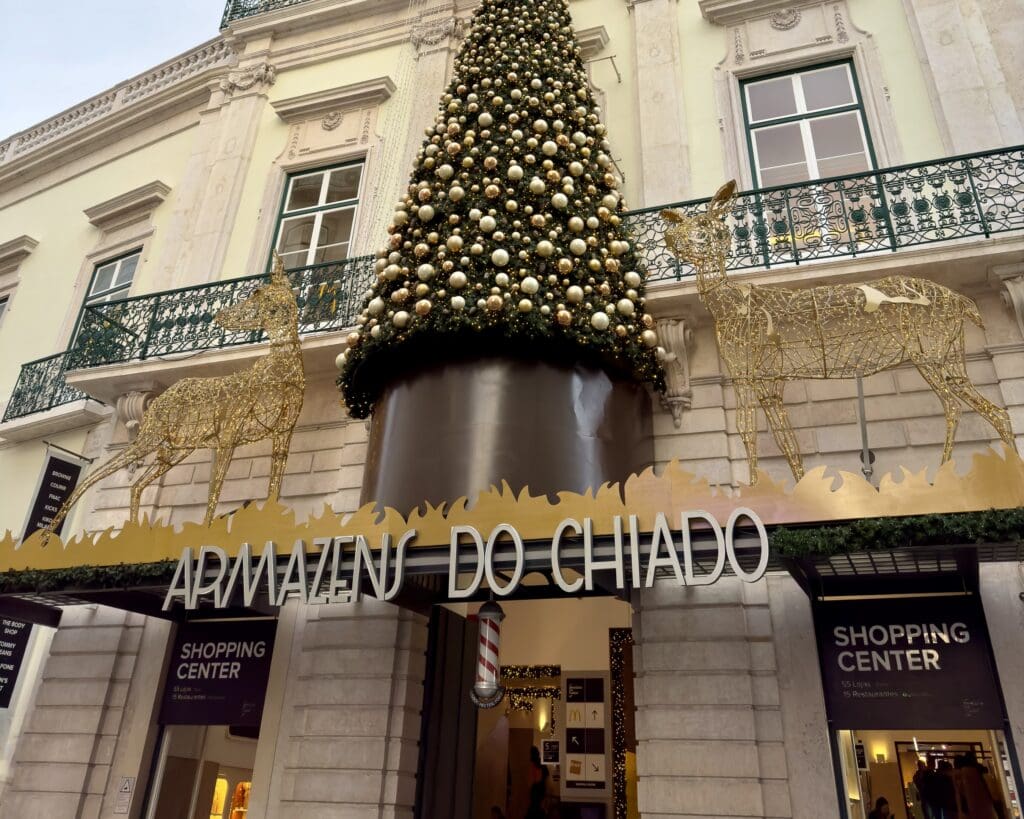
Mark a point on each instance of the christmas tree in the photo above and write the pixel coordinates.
(509, 239)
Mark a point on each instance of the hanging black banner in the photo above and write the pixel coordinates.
(218, 673)
(14, 636)
(60, 477)
(907, 664)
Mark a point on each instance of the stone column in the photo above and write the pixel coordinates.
(1001, 588)
(347, 741)
(972, 84)
(660, 111)
(64, 758)
(711, 720)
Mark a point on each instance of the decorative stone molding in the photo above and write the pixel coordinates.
(14, 252)
(131, 407)
(732, 12)
(1009, 279)
(784, 19)
(322, 104)
(171, 77)
(435, 32)
(129, 207)
(677, 338)
(259, 76)
(592, 41)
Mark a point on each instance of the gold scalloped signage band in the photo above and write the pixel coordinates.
(995, 481)
(340, 565)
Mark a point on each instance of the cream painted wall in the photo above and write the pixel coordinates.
(572, 633)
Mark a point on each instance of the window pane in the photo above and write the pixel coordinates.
(827, 88)
(771, 99)
(296, 234)
(344, 184)
(838, 145)
(305, 192)
(784, 175)
(336, 227)
(291, 260)
(103, 279)
(126, 270)
(781, 145)
(3, 306)
(331, 253)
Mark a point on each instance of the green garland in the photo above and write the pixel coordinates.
(121, 576)
(883, 534)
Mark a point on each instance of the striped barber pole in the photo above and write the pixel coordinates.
(487, 689)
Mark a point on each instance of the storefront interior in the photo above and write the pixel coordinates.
(884, 763)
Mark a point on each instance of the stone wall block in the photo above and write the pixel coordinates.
(696, 722)
(695, 689)
(700, 758)
(722, 796)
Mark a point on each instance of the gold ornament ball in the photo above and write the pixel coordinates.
(525, 305)
(649, 338)
(400, 319)
(620, 331)
(494, 302)
(423, 307)
(599, 321)
(564, 317)
(352, 339)
(565, 265)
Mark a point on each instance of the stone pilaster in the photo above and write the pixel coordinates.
(347, 742)
(708, 724)
(63, 764)
(1002, 596)
(660, 112)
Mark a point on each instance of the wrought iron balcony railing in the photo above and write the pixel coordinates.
(239, 9)
(181, 321)
(884, 210)
(40, 387)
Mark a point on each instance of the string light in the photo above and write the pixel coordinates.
(620, 641)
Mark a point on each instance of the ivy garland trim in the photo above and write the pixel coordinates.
(869, 534)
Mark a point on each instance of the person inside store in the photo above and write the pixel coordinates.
(942, 796)
(881, 810)
(538, 786)
(976, 799)
(497, 813)
(914, 792)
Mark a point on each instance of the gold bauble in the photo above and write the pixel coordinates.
(352, 339)
(492, 191)
(565, 265)
(564, 317)
(494, 302)
(620, 331)
(423, 307)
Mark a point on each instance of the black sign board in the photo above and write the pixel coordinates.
(218, 673)
(14, 636)
(60, 477)
(549, 752)
(585, 734)
(907, 664)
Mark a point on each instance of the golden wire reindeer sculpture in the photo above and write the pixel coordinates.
(223, 412)
(769, 335)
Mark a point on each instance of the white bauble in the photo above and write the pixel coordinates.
(560, 200)
(458, 303)
(339, 362)
(391, 272)
(456, 193)
(400, 319)
(599, 321)
(578, 247)
(574, 294)
(375, 331)
(401, 217)
(549, 148)
(610, 201)
(537, 185)
(457, 280)
(485, 120)
(425, 213)
(529, 285)
(501, 280)
(515, 172)
(579, 138)
(376, 306)
(487, 224)
(500, 257)
(545, 248)
(425, 272)
(632, 279)
(576, 224)
(525, 305)
(477, 249)
(475, 214)
(423, 307)
(625, 307)
(661, 353)
(649, 338)
(540, 126)
(576, 168)
(454, 243)
(445, 171)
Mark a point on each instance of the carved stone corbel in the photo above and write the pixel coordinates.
(435, 32)
(262, 75)
(677, 339)
(130, 408)
(1009, 279)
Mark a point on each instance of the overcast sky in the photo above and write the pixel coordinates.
(56, 53)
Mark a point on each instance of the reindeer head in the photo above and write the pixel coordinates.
(705, 237)
(271, 307)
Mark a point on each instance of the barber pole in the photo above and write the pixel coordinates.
(488, 691)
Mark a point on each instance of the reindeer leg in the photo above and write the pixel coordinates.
(998, 417)
(164, 461)
(279, 460)
(769, 393)
(943, 389)
(221, 461)
(105, 471)
(746, 424)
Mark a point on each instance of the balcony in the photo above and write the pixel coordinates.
(181, 321)
(240, 9)
(41, 387)
(963, 197)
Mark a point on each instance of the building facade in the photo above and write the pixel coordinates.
(870, 138)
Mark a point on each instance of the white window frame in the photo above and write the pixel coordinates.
(104, 297)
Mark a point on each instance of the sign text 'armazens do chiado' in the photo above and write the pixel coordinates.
(333, 570)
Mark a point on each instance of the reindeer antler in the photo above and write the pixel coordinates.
(277, 271)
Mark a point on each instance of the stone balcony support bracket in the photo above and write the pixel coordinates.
(1009, 279)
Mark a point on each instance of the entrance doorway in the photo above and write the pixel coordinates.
(560, 744)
